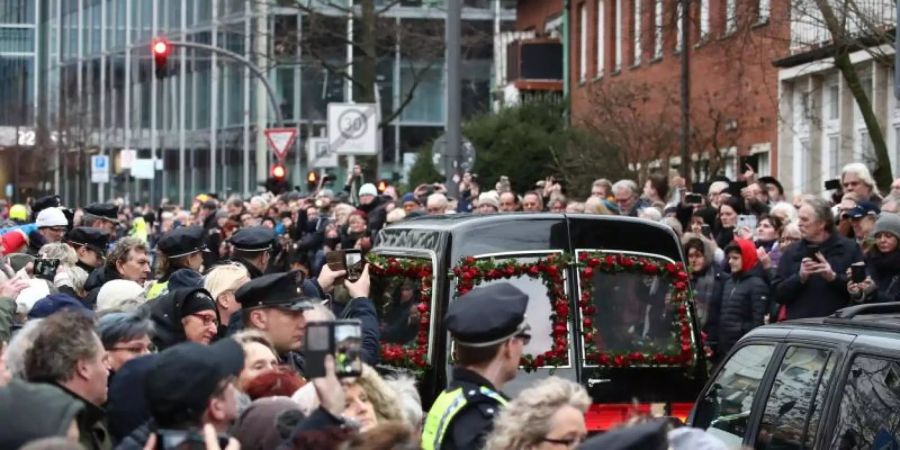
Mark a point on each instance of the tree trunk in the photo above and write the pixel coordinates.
(882, 174)
(366, 68)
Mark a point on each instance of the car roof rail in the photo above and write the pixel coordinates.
(869, 308)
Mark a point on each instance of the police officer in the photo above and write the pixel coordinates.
(252, 247)
(488, 325)
(104, 216)
(90, 246)
(181, 248)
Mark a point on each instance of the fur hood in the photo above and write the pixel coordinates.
(709, 246)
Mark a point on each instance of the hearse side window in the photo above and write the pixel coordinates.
(401, 289)
(725, 410)
(869, 415)
(796, 396)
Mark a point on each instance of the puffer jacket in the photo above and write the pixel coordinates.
(744, 301)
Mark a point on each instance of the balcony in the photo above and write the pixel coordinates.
(862, 19)
(535, 64)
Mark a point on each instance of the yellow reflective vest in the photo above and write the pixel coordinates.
(445, 408)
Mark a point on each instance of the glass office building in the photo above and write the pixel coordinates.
(78, 79)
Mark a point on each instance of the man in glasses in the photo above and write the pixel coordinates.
(490, 333)
(52, 225)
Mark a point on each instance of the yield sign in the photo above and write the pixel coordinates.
(281, 139)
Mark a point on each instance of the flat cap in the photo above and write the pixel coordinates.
(182, 241)
(94, 238)
(487, 315)
(108, 211)
(253, 239)
(276, 290)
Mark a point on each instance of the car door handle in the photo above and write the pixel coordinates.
(591, 382)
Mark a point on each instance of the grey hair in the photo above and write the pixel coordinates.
(718, 186)
(862, 172)
(19, 346)
(61, 251)
(123, 326)
(621, 185)
(822, 210)
(64, 339)
(320, 312)
(410, 400)
(437, 199)
(788, 209)
(526, 420)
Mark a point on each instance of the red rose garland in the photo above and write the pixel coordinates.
(682, 354)
(410, 355)
(471, 272)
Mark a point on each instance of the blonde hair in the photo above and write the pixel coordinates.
(526, 420)
(245, 337)
(396, 215)
(61, 251)
(596, 205)
(225, 277)
(385, 401)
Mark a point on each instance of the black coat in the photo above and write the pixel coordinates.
(471, 426)
(165, 312)
(742, 307)
(816, 297)
(884, 268)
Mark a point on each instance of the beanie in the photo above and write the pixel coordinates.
(888, 223)
(196, 302)
(52, 217)
(368, 189)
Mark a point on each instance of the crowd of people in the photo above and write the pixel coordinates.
(140, 327)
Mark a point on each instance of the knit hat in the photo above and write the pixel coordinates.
(409, 198)
(888, 223)
(488, 198)
(198, 301)
(51, 217)
(368, 189)
(119, 294)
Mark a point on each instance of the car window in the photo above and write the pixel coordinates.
(869, 415)
(791, 416)
(724, 410)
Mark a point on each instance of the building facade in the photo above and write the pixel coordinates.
(625, 60)
(92, 87)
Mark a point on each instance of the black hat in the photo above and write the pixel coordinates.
(183, 377)
(253, 239)
(199, 300)
(282, 290)
(182, 241)
(49, 201)
(487, 315)
(94, 238)
(646, 436)
(106, 211)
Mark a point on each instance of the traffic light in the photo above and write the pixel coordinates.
(161, 49)
(279, 172)
(276, 183)
(312, 180)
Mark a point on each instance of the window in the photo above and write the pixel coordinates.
(730, 16)
(866, 151)
(834, 102)
(765, 9)
(870, 407)
(725, 408)
(582, 39)
(704, 19)
(601, 37)
(794, 406)
(658, 30)
(636, 31)
(618, 35)
(678, 27)
(834, 155)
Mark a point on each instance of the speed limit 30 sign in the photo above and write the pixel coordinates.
(353, 128)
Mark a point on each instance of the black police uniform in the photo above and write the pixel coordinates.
(180, 242)
(253, 239)
(277, 290)
(90, 237)
(463, 415)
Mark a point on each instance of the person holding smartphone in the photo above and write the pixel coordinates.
(878, 280)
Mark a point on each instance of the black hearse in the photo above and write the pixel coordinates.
(609, 304)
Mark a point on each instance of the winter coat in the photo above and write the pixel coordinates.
(816, 297)
(165, 312)
(744, 301)
(127, 405)
(34, 411)
(91, 422)
(376, 213)
(706, 284)
(884, 268)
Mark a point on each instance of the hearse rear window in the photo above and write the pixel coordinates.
(633, 310)
(402, 291)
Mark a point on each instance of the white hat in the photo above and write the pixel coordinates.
(51, 217)
(119, 294)
(489, 198)
(36, 290)
(368, 189)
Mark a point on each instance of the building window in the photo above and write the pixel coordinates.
(636, 31)
(658, 30)
(582, 39)
(618, 35)
(866, 152)
(730, 16)
(678, 26)
(833, 155)
(601, 36)
(765, 9)
(704, 19)
(834, 97)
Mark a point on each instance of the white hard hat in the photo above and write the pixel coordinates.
(51, 217)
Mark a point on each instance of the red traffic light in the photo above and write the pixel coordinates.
(278, 172)
(160, 47)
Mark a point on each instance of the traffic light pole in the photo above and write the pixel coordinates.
(279, 118)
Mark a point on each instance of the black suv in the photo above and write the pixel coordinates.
(824, 383)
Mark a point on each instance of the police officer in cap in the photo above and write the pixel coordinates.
(252, 247)
(104, 216)
(181, 248)
(90, 245)
(489, 328)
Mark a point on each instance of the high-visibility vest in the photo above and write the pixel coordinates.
(156, 289)
(444, 409)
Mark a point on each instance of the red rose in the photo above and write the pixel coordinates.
(671, 268)
(510, 271)
(686, 348)
(467, 276)
(470, 260)
(552, 271)
(539, 361)
(560, 330)
(588, 336)
(680, 285)
(562, 310)
(422, 340)
(587, 272)
(587, 322)
(589, 310)
(582, 256)
(422, 307)
(534, 271)
(681, 276)
(650, 269)
(610, 260)
(423, 320)
(594, 262)
(627, 262)
(560, 348)
(682, 309)
(619, 360)
(560, 341)
(636, 356)
(659, 358)
(603, 359)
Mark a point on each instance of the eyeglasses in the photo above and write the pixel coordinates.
(568, 442)
(136, 349)
(207, 320)
(58, 229)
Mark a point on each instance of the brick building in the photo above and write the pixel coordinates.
(624, 68)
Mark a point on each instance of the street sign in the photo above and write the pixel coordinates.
(99, 169)
(353, 128)
(281, 140)
(143, 169)
(319, 154)
(127, 157)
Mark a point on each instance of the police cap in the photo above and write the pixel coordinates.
(487, 315)
(253, 239)
(182, 241)
(49, 201)
(276, 290)
(94, 238)
(107, 211)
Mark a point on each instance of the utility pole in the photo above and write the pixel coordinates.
(685, 91)
(454, 92)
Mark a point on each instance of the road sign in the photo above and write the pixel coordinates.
(127, 157)
(143, 169)
(353, 128)
(99, 169)
(319, 154)
(281, 140)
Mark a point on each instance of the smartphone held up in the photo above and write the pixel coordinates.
(340, 338)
